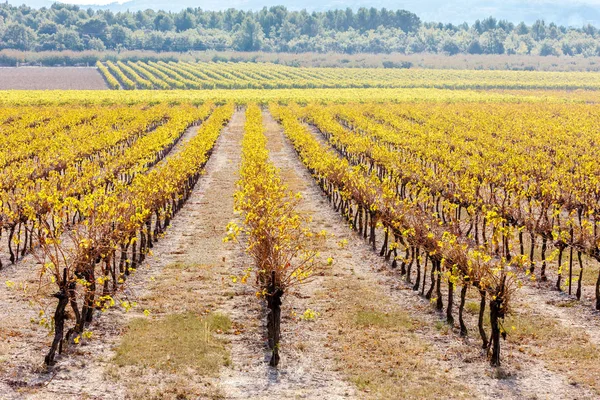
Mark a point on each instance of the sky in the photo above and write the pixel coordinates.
(400, 4)
(91, 2)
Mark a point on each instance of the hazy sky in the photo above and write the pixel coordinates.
(94, 2)
(400, 4)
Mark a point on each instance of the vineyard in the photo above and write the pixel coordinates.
(250, 244)
(244, 75)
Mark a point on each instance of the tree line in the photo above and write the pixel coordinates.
(277, 29)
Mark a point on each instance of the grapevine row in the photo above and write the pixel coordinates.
(117, 231)
(102, 169)
(111, 81)
(521, 205)
(275, 234)
(369, 202)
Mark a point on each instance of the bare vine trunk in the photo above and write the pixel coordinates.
(274, 320)
(59, 321)
(578, 293)
(461, 307)
(480, 320)
(449, 317)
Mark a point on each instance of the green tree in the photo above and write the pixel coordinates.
(163, 23)
(489, 24)
(68, 39)
(449, 46)
(474, 47)
(553, 32)
(589, 30)
(538, 30)
(522, 29)
(95, 44)
(547, 49)
(185, 21)
(119, 37)
(250, 36)
(312, 26)
(492, 42)
(65, 17)
(47, 28)
(47, 42)
(155, 41)
(20, 37)
(362, 19)
(215, 21)
(94, 28)
(566, 49)
(143, 20)
(288, 31)
(407, 21)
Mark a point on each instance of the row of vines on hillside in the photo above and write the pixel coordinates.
(229, 75)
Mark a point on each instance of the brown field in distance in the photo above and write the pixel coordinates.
(49, 78)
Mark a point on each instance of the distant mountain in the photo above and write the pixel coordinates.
(565, 12)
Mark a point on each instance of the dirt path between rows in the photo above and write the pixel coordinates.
(306, 369)
(192, 267)
(565, 309)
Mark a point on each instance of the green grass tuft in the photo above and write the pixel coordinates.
(175, 343)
